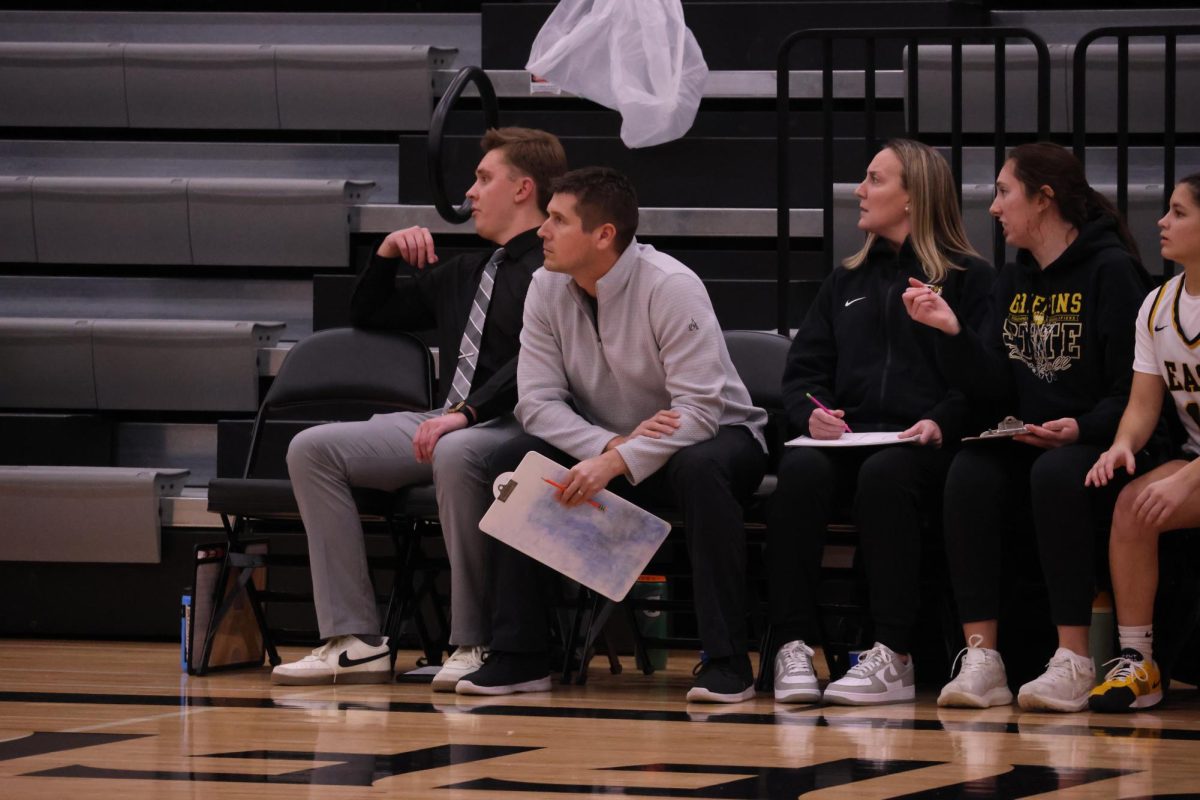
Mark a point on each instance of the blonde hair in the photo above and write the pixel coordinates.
(936, 223)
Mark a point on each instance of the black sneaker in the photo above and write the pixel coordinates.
(507, 673)
(722, 680)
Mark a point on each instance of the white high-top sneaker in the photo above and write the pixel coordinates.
(343, 659)
(981, 681)
(1064, 686)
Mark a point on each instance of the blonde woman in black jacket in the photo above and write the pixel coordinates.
(858, 362)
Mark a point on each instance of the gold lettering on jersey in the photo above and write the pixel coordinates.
(1045, 332)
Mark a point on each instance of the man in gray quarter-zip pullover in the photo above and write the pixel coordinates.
(624, 373)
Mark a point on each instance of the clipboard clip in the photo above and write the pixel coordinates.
(1009, 426)
(505, 489)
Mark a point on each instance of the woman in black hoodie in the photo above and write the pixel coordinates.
(859, 362)
(1055, 352)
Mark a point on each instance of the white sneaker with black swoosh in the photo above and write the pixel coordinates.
(343, 659)
(878, 677)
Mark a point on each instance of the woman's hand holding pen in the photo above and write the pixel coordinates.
(824, 424)
(928, 307)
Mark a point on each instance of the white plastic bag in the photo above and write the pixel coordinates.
(634, 56)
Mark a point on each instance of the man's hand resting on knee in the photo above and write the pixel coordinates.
(429, 431)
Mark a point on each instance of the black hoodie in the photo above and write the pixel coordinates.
(859, 351)
(1058, 342)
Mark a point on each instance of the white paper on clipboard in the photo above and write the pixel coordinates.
(605, 550)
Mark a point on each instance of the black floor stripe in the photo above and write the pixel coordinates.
(39, 742)
(715, 714)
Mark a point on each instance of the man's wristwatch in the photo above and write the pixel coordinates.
(461, 407)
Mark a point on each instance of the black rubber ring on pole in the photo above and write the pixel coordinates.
(437, 126)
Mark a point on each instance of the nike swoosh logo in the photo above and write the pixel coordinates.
(852, 302)
(344, 661)
(1158, 328)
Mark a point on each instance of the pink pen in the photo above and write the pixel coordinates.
(826, 409)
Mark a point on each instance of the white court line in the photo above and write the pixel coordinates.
(152, 718)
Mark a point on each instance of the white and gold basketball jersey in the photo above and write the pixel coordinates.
(1168, 344)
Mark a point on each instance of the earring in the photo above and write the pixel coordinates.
(906, 208)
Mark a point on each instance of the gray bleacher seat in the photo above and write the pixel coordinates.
(201, 86)
(62, 83)
(1146, 63)
(16, 219)
(357, 87)
(1145, 87)
(978, 111)
(84, 514)
(111, 220)
(181, 365)
(271, 222)
(46, 363)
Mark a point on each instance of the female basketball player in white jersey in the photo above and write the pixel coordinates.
(1166, 360)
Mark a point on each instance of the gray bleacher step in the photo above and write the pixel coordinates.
(1146, 64)
(258, 86)
(171, 293)
(84, 514)
(135, 219)
(196, 365)
(709, 222)
(450, 30)
(115, 364)
(721, 84)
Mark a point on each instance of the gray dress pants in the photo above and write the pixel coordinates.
(325, 461)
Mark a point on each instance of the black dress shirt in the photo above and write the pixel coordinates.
(439, 297)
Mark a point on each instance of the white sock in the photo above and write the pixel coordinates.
(1137, 637)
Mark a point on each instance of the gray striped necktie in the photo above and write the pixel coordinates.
(468, 349)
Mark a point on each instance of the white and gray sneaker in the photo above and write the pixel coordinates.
(1064, 686)
(981, 680)
(462, 662)
(343, 659)
(878, 677)
(795, 681)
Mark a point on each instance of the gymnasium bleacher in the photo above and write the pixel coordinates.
(186, 193)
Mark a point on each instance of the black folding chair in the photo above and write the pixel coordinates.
(336, 375)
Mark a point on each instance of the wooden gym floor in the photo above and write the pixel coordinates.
(111, 720)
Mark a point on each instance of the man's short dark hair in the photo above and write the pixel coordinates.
(535, 153)
(602, 195)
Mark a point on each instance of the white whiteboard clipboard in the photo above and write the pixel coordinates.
(605, 550)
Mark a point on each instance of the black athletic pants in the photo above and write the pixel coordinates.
(993, 489)
(709, 482)
(889, 490)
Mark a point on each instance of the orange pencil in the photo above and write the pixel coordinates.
(560, 487)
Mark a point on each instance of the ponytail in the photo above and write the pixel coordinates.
(1098, 205)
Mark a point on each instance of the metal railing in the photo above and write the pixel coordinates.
(1170, 35)
(870, 38)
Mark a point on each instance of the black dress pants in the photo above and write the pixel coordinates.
(889, 490)
(709, 482)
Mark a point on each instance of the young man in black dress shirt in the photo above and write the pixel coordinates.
(475, 303)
